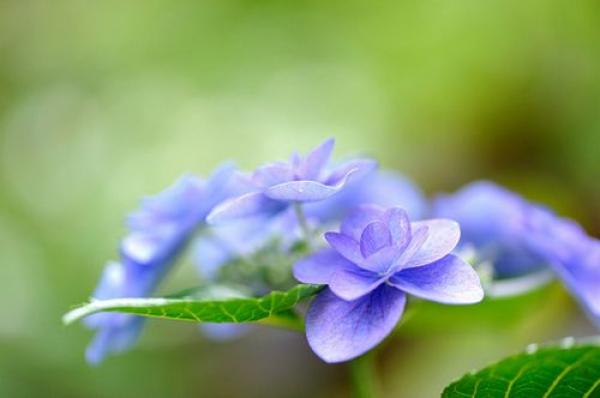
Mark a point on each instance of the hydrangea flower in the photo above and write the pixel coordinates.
(157, 233)
(519, 237)
(242, 237)
(377, 258)
(571, 253)
(302, 179)
(493, 220)
(115, 332)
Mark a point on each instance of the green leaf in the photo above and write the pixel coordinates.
(210, 304)
(548, 372)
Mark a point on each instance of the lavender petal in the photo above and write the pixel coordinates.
(339, 330)
(449, 280)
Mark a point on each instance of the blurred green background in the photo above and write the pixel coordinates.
(103, 102)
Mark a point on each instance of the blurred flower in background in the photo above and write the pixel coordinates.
(521, 239)
(158, 232)
(102, 103)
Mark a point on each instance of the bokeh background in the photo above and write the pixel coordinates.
(103, 102)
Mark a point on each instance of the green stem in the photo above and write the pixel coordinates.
(363, 376)
(303, 222)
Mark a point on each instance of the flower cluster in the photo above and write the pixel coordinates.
(302, 179)
(265, 228)
(377, 257)
(158, 232)
(521, 238)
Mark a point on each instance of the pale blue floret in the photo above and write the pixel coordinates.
(377, 257)
(519, 237)
(301, 180)
(373, 262)
(158, 231)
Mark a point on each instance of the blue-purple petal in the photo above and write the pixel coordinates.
(357, 220)
(303, 191)
(345, 246)
(351, 283)
(312, 166)
(449, 280)
(493, 220)
(319, 267)
(144, 247)
(418, 238)
(571, 253)
(339, 330)
(484, 210)
(357, 167)
(226, 181)
(210, 253)
(247, 205)
(375, 237)
(113, 340)
(382, 260)
(272, 174)
(442, 237)
(582, 277)
(398, 223)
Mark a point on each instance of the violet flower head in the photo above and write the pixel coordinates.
(242, 237)
(494, 221)
(571, 254)
(158, 232)
(302, 179)
(519, 237)
(377, 258)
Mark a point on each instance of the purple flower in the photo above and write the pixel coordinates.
(519, 237)
(494, 221)
(242, 237)
(377, 257)
(158, 232)
(302, 179)
(115, 332)
(571, 253)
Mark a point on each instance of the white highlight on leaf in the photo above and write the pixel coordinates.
(567, 342)
(103, 305)
(531, 349)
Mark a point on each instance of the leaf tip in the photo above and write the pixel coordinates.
(74, 315)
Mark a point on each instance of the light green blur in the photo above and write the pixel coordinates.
(103, 102)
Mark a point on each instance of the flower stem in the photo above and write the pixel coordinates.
(363, 376)
(303, 223)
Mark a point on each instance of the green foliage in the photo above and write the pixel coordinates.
(211, 304)
(548, 372)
